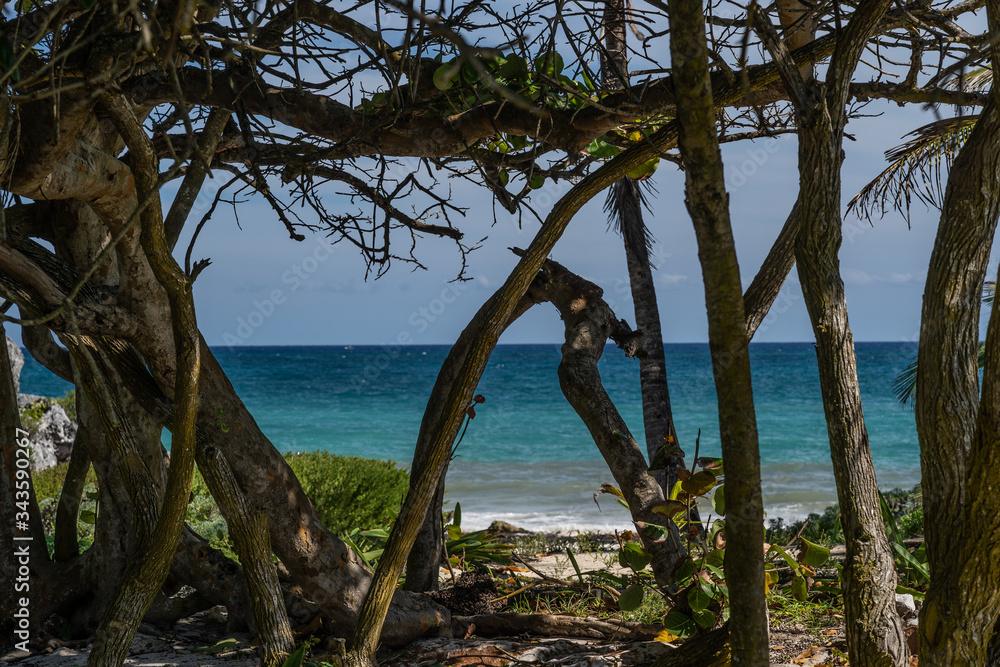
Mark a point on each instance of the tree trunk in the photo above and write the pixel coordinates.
(589, 323)
(248, 528)
(948, 407)
(874, 630)
(625, 202)
(424, 562)
(708, 205)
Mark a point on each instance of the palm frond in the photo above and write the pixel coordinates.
(975, 80)
(624, 208)
(918, 169)
(904, 387)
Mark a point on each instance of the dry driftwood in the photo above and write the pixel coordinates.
(552, 625)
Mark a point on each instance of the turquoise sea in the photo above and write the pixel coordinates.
(527, 458)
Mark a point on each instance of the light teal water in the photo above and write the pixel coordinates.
(527, 458)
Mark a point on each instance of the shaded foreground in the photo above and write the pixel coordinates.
(513, 627)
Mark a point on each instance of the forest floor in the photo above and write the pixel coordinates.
(801, 634)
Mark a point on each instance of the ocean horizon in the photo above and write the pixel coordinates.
(527, 458)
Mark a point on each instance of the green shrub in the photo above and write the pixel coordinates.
(904, 506)
(68, 403)
(48, 483)
(349, 491)
(31, 415)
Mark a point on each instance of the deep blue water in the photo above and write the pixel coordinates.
(527, 457)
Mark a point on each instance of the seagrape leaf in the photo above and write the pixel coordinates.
(550, 64)
(698, 599)
(699, 483)
(680, 624)
(719, 500)
(444, 76)
(704, 618)
(800, 589)
(670, 508)
(634, 556)
(631, 598)
(812, 555)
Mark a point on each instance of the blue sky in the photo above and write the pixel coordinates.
(265, 289)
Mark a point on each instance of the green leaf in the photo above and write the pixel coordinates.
(719, 500)
(716, 557)
(229, 645)
(550, 64)
(88, 516)
(699, 483)
(784, 554)
(536, 181)
(644, 171)
(812, 555)
(576, 567)
(653, 531)
(94, 495)
(518, 141)
(698, 599)
(457, 519)
(704, 618)
(515, 67)
(444, 76)
(686, 568)
(679, 624)
(631, 599)
(634, 556)
(800, 589)
(710, 463)
(295, 659)
(912, 561)
(469, 73)
(602, 149)
(670, 508)
(503, 177)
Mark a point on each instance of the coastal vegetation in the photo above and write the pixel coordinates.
(103, 104)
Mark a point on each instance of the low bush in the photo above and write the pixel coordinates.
(347, 492)
(904, 506)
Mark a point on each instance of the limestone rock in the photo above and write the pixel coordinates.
(504, 527)
(52, 431)
(16, 362)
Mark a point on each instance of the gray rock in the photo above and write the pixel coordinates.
(905, 606)
(52, 432)
(16, 362)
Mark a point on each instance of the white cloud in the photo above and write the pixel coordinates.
(673, 278)
(858, 277)
(900, 278)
